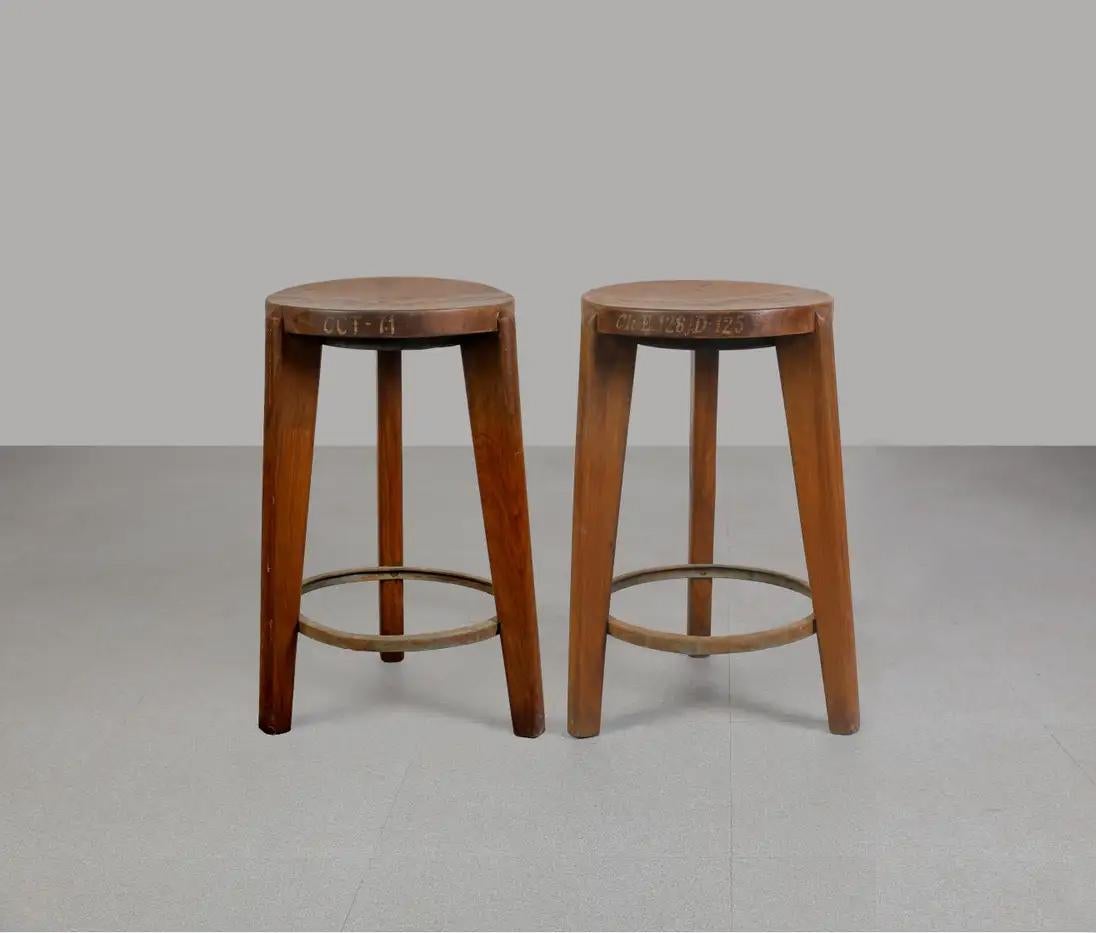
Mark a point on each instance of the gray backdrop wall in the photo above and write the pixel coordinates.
(164, 166)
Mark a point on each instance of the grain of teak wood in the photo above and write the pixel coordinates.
(702, 463)
(390, 492)
(706, 317)
(390, 308)
(392, 316)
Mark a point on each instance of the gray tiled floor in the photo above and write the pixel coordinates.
(135, 790)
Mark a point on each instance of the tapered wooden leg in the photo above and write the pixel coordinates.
(808, 377)
(494, 410)
(292, 383)
(702, 452)
(390, 491)
(606, 372)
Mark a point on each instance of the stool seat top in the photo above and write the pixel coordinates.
(390, 307)
(705, 309)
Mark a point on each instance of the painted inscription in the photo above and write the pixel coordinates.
(680, 325)
(359, 326)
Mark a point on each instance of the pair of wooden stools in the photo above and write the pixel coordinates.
(395, 314)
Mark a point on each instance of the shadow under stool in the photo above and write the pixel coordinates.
(707, 317)
(391, 315)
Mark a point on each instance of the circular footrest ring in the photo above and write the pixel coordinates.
(425, 641)
(711, 644)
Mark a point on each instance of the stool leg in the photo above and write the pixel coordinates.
(494, 410)
(702, 452)
(606, 371)
(809, 382)
(292, 384)
(390, 491)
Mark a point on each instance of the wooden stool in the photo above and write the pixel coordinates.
(706, 317)
(390, 315)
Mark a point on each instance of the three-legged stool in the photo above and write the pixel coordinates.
(706, 317)
(391, 315)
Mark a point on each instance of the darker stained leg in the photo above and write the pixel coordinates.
(390, 491)
(292, 384)
(494, 410)
(606, 371)
(702, 454)
(809, 381)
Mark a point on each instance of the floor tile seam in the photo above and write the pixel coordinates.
(1057, 741)
(373, 855)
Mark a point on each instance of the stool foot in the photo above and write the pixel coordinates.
(292, 384)
(606, 373)
(808, 378)
(494, 411)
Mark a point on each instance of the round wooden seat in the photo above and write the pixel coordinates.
(705, 310)
(389, 309)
